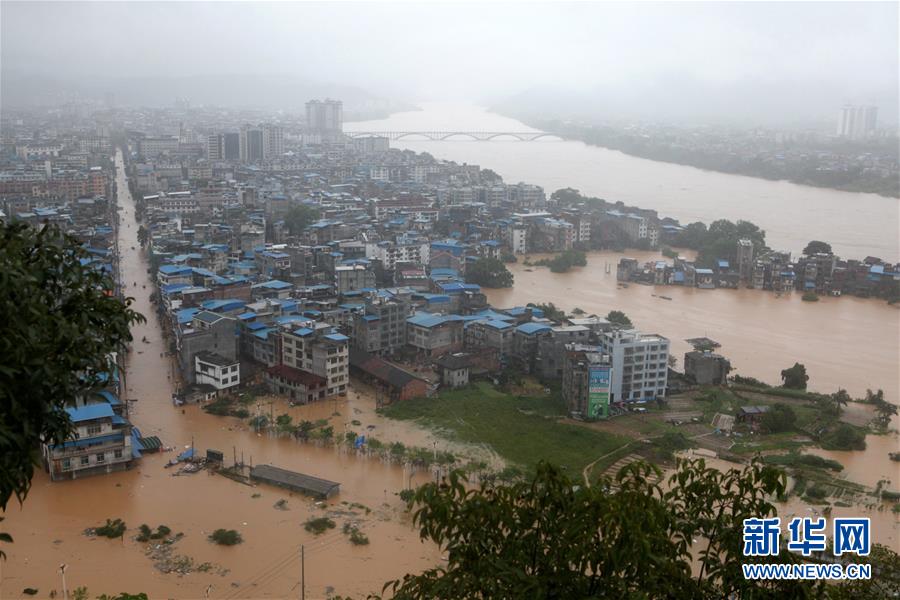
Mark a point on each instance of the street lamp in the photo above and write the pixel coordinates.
(62, 572)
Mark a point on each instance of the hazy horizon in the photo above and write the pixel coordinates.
(742, 61)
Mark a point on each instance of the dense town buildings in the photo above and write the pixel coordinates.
(373, 282)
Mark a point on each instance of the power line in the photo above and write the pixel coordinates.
(281, 564)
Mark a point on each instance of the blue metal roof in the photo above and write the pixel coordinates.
(274, 284)
(90, 412)
(263, 334)
(336, 337)
(92, 441)
(532, 328)
(452, 287)
(496, 324)
(186, 315)
(175, 269)
(223, 305)
(109, 397)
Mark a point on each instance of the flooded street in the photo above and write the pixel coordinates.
(48, 529)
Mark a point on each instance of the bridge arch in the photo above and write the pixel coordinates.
(504, 134)
(416, 134)
(546, 134)
(451, 134)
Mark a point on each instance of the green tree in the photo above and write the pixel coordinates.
(844, 437)
(840, 399)
(795, 378)
(817, 247)
(566, 196)
(299, 217)
(284, 423)
(490, 273)
(142, 235)
(550, 311)
(60, 324)
(778, 418)
(885, 411)
(551, 537)
(619, 319)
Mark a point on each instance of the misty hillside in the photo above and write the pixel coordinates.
(245, 90)
(685, 101)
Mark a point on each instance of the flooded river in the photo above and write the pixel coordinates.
(855, 224)
(844, 342)
(48, 528)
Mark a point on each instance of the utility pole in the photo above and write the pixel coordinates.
(302, 573)
(62, 571)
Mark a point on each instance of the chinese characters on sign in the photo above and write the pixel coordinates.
(806, 535)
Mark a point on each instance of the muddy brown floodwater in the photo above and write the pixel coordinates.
(48, 528)
(845, 342)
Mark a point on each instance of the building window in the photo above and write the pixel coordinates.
(66, 464)
(85, 460)
(94, 429)
(101, 457)
(117, 453)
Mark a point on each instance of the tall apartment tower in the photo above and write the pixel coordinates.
(272, 141)
(232, 146)
(215, 146)
(857, 122)
(251, 144)
(745, 259)
(325, 117)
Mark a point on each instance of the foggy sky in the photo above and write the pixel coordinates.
(476, 52)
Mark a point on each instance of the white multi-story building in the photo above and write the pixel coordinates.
(154, 146)
(102, 444)
(272, 141)
(321, 352)
(379, 173)
(857, 122)
(518, 239)
(640, 364)
(215, 370)
(390, 253)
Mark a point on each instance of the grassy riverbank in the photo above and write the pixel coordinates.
(521, 430)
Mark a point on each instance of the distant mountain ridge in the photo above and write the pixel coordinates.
(683, 100)
(21, 89)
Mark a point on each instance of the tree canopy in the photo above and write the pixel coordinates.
(779, 418)
(490, 273)
(817, 247)
(719, 240)
(795, 377)
(617, 317)
(299, 217)
(551, 537)
(60, 323)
